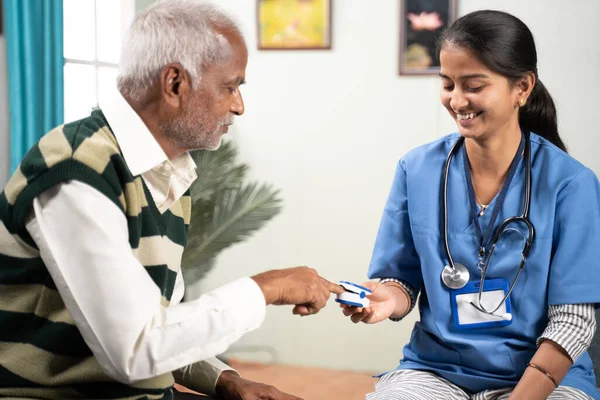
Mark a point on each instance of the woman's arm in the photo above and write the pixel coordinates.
(534, 384)
(567, 336)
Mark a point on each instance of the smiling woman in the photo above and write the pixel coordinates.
(491, 327)
(496, 56)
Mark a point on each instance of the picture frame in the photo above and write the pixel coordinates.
(421, 23)
(294, 24)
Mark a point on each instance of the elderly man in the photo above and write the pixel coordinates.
(94, 222)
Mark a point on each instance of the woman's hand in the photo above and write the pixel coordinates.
(382, 304)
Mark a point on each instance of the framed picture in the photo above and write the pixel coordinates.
(421, 23)
(294, 24)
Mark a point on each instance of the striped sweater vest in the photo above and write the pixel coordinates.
(42, 353)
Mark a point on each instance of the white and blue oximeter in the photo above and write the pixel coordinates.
(354, 295)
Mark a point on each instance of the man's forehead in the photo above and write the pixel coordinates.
(232, 38)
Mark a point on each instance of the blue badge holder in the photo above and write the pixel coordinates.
(468, 317)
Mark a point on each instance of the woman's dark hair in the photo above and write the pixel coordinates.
(504, 44)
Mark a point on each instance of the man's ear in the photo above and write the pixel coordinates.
(175, 84)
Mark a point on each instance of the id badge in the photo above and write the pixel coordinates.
(466, 316)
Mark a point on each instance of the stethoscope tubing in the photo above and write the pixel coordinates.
(524, 218)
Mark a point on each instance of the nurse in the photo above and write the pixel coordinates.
(471, 341)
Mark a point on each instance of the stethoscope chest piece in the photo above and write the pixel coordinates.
(455, 278)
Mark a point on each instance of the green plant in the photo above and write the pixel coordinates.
(225, 210)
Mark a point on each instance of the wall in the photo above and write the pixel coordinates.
(327, 127)
(4, 135)
(142, 4)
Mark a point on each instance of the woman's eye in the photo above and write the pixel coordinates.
(474, 89)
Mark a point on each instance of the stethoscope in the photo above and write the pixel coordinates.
(455, 275)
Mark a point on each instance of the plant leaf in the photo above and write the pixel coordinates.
(237, 214)
(198, 272)
(224, 211)
(217, 171)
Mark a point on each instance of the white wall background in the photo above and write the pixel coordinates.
(327, 127)
(4, 137)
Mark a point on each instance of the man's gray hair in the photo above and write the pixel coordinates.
(183, 31)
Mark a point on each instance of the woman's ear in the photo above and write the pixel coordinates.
(525, 86)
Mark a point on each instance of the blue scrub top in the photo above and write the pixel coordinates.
(563, 266)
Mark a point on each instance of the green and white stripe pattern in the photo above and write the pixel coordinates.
(42, 353)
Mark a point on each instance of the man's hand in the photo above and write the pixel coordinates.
(232, 387)
(300, 286)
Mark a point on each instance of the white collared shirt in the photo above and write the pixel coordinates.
(167, 180)
(113, 301)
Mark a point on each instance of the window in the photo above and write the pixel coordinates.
(93, 30)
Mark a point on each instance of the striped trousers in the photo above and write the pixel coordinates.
(422, 385)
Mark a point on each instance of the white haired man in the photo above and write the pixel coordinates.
(94, 221)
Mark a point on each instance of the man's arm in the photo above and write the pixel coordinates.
(83, 239)
(201, 376)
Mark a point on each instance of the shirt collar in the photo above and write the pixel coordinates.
(140, 149)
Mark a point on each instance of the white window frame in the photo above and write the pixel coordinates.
(128, 12)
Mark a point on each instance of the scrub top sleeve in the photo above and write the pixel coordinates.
(394, 254)
(575, 266)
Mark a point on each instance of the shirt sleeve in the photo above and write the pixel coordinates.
(575, 264)
(412, 293)
(572, 327)
(201, 376)
(114, 293)
(178, 290)
(394, 254)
